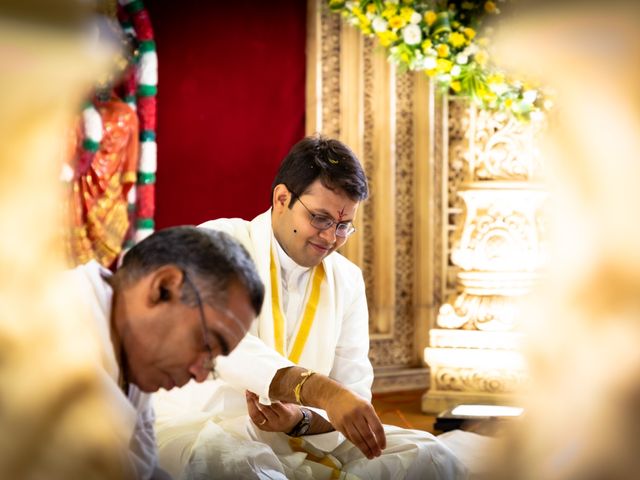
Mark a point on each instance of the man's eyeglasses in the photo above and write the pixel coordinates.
(324, 222)
(210, 363)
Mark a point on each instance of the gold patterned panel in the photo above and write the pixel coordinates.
(388, 119)
(498, 381)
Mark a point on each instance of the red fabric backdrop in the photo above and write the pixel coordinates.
(230, 103)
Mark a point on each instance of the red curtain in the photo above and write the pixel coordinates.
(230, 104)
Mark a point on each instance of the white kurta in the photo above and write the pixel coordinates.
(205, 429)
(135, 408)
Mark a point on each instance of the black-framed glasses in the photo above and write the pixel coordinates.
(210, 363)
(324, 222)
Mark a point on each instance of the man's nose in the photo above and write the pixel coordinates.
(329, 235)
(199, 369)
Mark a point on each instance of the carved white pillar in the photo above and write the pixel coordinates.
(499, 248)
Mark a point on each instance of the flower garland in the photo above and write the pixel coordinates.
(140, 90)
(440, 38)
(92, 126)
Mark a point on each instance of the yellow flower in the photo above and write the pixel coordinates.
(356, 11)
(406, 13)
(430, 17)
(456, 86)
(457, 40)
(495, 78)
(481, 58)
(490, 7)
(508, 102)
(364, 21)
(389, 10)
(443, 65)
(397, 22)
(426, 45)
(488, 96)
(443, 50)
(366, 30)
(469, 32)
(387, 38)
(371, 8)
(431, 73)
(404, 56)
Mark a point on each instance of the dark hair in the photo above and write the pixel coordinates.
(318, 157)
(213, 259)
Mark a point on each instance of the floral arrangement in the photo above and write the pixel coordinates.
(440, 37)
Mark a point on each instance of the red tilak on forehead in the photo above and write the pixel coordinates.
(341, 214)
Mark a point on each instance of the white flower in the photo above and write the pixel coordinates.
(498, 88)
(536, 116)
(415, 18)
(430, 63)
(379, 24)
(455, 70)
(529, 96)
(411, 34)
(462, 59)
(350, 5)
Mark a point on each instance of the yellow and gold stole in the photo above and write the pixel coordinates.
(307, 316)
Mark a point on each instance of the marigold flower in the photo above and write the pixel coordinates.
(456, 86)
(387, 38)
(469, 32)
(430, 17)
(457, 39)
(406, 13)
(443, 65)
(389, 11)
(443, 50)
(371, 8)
(396, 22)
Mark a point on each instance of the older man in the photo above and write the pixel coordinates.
(181, 297)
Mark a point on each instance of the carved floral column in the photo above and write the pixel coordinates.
(498, 249)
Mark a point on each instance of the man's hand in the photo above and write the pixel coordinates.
(348, 413)
(277, 417)
(356, 419)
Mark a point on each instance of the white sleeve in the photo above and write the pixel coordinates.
(142, 446)
(251, 366)
(351, 365)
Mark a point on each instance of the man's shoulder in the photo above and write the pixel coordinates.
(225, 224)
(343, 266)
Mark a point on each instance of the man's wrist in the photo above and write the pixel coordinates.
(302, 427)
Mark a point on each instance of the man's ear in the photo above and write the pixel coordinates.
(281, 197)
(166, 284)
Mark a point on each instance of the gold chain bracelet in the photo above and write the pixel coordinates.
(298, 388)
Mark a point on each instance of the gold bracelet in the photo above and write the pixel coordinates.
(298, 388)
